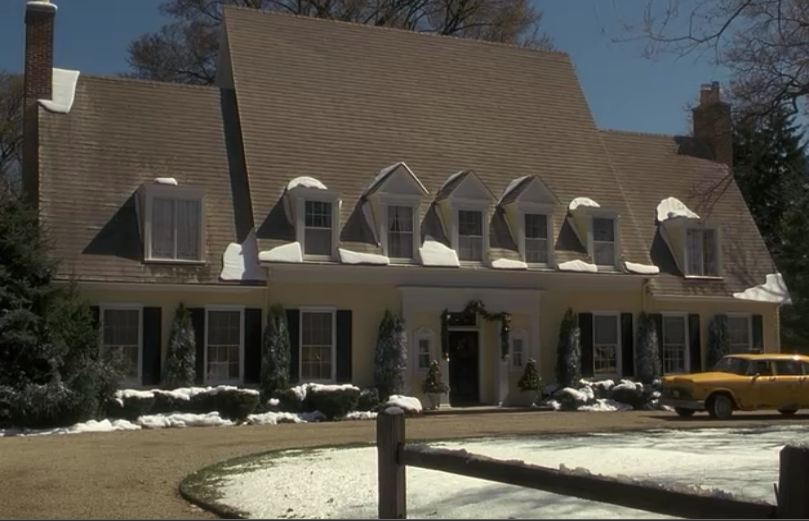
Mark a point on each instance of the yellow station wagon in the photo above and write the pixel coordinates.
(744, 382)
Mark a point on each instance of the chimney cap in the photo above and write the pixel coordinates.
(40, 5)
(709, 93)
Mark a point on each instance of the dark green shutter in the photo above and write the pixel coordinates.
(252, 345)
(627, 345)
(294, 327)
(694, 343)
(152, 340)
(95, 312)
(758, 332)
(657, 320)
(198, 323)
(586, 328)
(344, 345)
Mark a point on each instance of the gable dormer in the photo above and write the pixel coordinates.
(528, 204)
(391, 207)
(171, 219)
(692, 240)
(597, 229)
(465, 205)
(314, 211)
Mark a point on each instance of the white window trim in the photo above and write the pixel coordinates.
(687, 356)
(240, 380)
(150, 192)
(604, 214)
(618, 347)
(535, 209)
(470, 206)
(128, 307)
(414, 203)
(424, 333)
(333, 311)
(522, 335)
(718, 252)
(303, 194)
(749, 317)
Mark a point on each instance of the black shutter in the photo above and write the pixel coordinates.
(627, 345)
(758, 332)
(293, 326)
(586, 328)
(95, 312)
(657, 320)
(344, 345)
(198, 323)
(694, 343)
(152, 340)
(252, 345)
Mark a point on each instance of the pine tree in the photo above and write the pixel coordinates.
(718, 341)
(648, 355)
(275, 352)
(568, 351)
(529, 381)
(390, 360)
(181, 357)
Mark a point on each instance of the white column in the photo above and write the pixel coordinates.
(502, 381)
(445, 378)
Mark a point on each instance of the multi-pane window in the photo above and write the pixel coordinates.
(605, 344)
(318, 228)
(224, 345)
(470, 235)
(739, 334)
(701, 252)
(517, 351)
(536, 238)
(603, 241)
(317, 345)
(674, 344)
(120, 339)
(176, 228)
(424, 357)
(400, 232)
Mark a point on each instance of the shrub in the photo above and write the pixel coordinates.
(275, 352)
(368, 401)
(648, 356)
(333, 403)
(289, 400)
(180, 368)
(390, 360)
(433, 383)
(130, 407)
(718, 340)
(530, 380)
(233, 404)
(568, 351)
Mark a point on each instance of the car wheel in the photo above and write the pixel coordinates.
(684, 413)
(787, 412)
(720, 407)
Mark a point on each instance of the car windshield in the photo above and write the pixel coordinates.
(732, 365)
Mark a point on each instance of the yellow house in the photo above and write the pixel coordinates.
(341, 170)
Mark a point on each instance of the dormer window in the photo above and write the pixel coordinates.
(603, 249)
(400, 232)
(318, 224)
(701, 252)
(536, 238)
(470, 235)
(173, 223)
(528, 205)
(314, 210)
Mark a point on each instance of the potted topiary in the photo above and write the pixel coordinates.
(530, 383)
(433, 386)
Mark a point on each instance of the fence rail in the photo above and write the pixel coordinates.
(394, 455)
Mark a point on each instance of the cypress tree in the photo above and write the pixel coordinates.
(568, 351)
(648, 355)
(275, 352)
(390, 359)
(181, 357)
(718, 340)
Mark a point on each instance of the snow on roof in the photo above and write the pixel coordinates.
(644, 269)
(511, 186)
(64, 91)
(285, 253)
(166, 181)
(509, 264)
(773, 290)
(585, 202)
(671, 208)
(354, 257)
(306, 182)
(240, 261)
(578, 265)
(434, 253)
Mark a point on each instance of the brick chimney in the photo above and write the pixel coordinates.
(713, 124)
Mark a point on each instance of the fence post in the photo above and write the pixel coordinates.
(390, 436)
(793, 483)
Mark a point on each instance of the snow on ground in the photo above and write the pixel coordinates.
(434, 253)
(89, 426)
(180, 393)
(341, 483)
(578, 265)
(643, 269)
(773, 290)
(164, 421)
(301, 390)
(291, 252)
(671, 207)
(355, 257)
(274, 418)
(605, 405)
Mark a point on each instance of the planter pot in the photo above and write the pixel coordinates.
(528, 398)
(433, 400)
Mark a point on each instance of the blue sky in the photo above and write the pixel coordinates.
(624, 90)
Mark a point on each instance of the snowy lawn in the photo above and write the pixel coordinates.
(341, 482)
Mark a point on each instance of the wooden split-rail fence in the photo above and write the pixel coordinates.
(394, 455)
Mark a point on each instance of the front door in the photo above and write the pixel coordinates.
(463, 368)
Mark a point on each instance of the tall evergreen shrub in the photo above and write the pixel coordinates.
(718, 340)
(275, 352)
(181, 357)
(390, 359)
(568, 351)
(648, 353)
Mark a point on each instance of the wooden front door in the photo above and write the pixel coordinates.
(463, 368)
